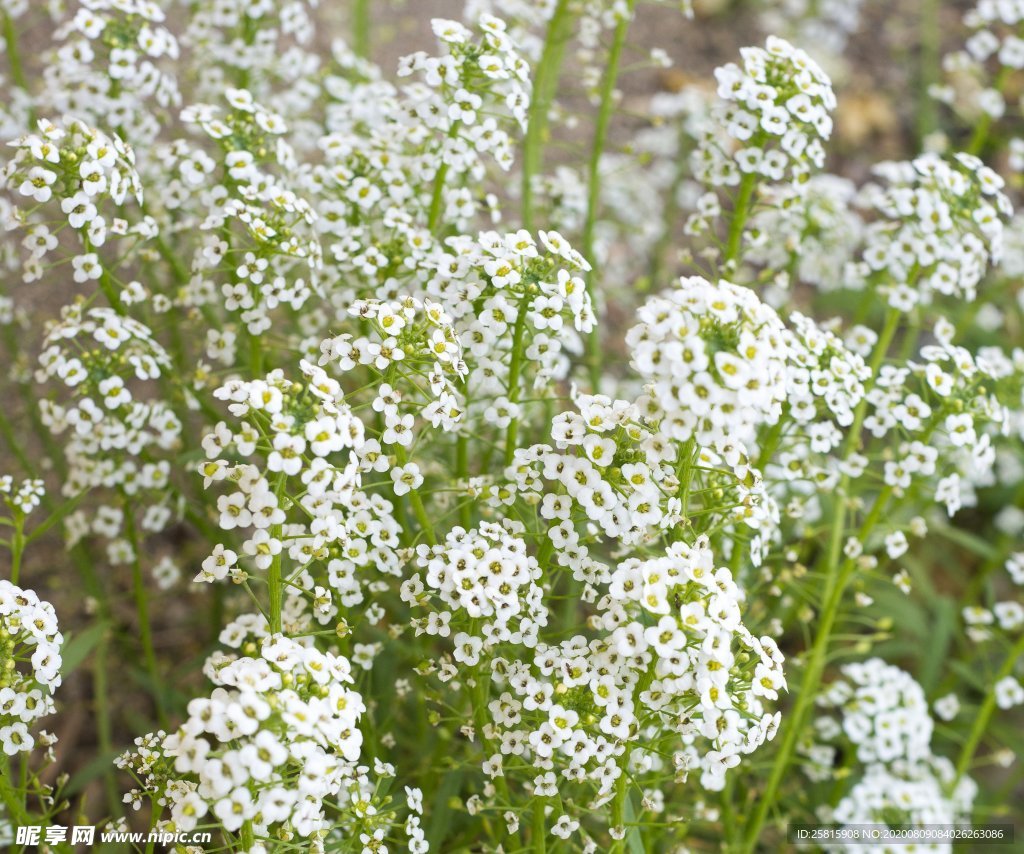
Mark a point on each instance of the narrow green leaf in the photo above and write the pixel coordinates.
(78, 646)
(634, 841)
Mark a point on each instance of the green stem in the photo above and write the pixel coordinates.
(481, 691)
(142, 610)
(417, 502)
(619, 811)
(545, 82)
(928, 68)
(514, 370)
(247, 835)
(361, 28)
(739, 216)
(540, 833)
(101, 709)
(14, 59)
(984, 125)
(12, 798)
(462, 460)
(17, 545)
(275, 586)
(837, 576)
(986, 711)
(604, 116)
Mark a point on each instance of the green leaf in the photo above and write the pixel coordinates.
(56, 516)
(973, 543)
(441, 813)
(92, 770)
(78, 646)
(634, 841)
(936, 651)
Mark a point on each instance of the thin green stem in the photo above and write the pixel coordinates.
(462, 461)
(417, 502)
(101, 710)
(539, 837)
(619, 810)
(740, 212)
(247, 835)
(604, 117)
(986, 711)
(14, 60)
(142, 610)
(545, 82)
(928, 68)
(837, 576)
(514, 370)
(12, 797)
(17, 546)
(275, 587)
(361, 28)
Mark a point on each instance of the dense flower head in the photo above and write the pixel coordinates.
(813, 231)
(23, 497)
(276, 744)
(289, 430)
(907, 793)
(884, 712)
(117, 427)
(825, 379)
(113, 64)
(713, 358)
(407, 338)
(86, 173)
(486, 575)
(30, 645)
(709, 671)
(939, 227)
(776, 111)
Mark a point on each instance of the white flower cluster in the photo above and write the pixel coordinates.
(486, 575)
(776, 110)
(884, 712)
(518, 281)
(81, 168)
(822, 370)
(293, 429)
(116, 433)
(813, 231)
(30, 646)
(396, 161)
(609, 469)
(884, 716)
(275, 745)
(713, 358)
(939, 226)
(276, 259)
(945, 409)
(907, 793)
(410, 339)
(108, 68)
(710, 673)
(605, 467)
(975, 76)
(590, 709)
(26, 497)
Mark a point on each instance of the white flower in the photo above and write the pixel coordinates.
(406, 478)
